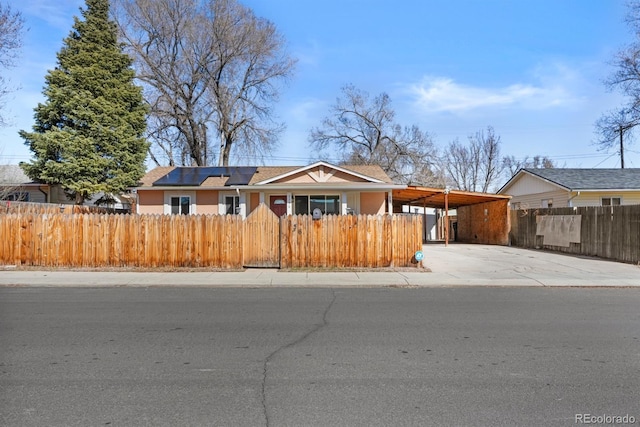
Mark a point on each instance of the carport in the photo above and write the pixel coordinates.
(481, 217)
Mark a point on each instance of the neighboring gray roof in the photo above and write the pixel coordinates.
(591, 179)
(12, 175)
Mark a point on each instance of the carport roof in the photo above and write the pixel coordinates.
(435, 197)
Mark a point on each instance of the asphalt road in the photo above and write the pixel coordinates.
(317, 357)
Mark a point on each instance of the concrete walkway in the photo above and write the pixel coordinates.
(454, 265)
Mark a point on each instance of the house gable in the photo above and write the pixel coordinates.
(319, 175)
(526, 183)
(319, 172)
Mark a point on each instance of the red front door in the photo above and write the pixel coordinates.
(278, 205)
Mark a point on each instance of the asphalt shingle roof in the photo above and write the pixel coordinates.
(12, 174)
(263, 173)
(591, 179)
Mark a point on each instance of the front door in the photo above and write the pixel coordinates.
(278, 205)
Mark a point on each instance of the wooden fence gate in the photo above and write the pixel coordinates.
(262, 238)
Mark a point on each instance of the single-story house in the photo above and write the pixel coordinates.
(15, 185)
(565, 187)
(287, 190)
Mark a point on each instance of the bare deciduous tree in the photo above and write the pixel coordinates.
(211, 71)
(11, 178)
(11, 27)
(513, 165)
(364, 131)
(614, 127)
(476, 166)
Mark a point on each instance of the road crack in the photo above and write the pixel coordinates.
(531, 278)
(270, 357)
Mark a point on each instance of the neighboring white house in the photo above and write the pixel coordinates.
(564, 187)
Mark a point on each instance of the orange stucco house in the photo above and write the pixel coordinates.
(287, 190)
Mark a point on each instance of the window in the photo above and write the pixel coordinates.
(547, 203)
(301, 205)
(328, 205)
(232, 205)
(611, 201)
(180, 205)
(17, 197)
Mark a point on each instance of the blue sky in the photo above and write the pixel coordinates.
(532, 69)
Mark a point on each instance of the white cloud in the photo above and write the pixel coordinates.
(442, 94)
(306, 111)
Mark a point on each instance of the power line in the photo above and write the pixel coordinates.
(285, 158)
(614, 154)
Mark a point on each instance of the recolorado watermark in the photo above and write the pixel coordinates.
(604, 419)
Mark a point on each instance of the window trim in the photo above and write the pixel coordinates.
(610, 198)
(168, 195)
(180, 205)
(242, 204)
(237, 207)
(311, 195)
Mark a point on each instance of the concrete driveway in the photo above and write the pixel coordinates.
(500, 265)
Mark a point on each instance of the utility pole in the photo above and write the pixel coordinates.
(446, 216)
(621, 129)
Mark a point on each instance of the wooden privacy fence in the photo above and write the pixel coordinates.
(92, 240)
(611, 232)
(350, 241)
(218, 241)
(48, 208)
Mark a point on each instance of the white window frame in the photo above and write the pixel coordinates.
(352, 202)
(610, 198)
(340, 197)
(169, 194)
(242, 198)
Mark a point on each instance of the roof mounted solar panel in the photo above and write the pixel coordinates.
(175, 177)
(195, 176)
(241, 175)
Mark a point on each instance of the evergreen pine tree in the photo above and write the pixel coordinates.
(87, 135)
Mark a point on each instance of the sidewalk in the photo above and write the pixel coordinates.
(455, 265)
